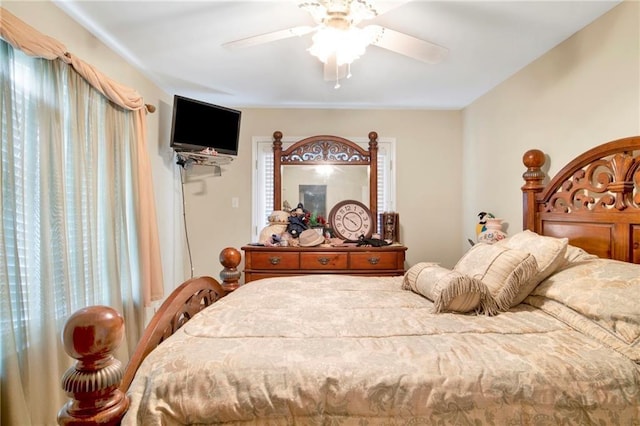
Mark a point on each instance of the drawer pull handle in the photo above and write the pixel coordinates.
(274, 260)
(374, 260)
(323, 260)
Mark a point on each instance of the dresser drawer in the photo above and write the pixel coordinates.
(275, 260)
(264, 262)
(323, 260)
(374, 260)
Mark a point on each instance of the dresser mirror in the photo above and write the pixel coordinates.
(320, 171)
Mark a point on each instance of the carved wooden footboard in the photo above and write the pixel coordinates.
(97, 383)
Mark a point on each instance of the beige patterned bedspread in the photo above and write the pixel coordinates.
(338, 350)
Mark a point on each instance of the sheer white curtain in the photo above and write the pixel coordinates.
(69, 231)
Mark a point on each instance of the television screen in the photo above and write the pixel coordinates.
(198, 125)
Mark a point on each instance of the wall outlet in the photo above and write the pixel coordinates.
(235, 202)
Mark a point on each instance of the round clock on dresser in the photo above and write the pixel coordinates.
(350, 219)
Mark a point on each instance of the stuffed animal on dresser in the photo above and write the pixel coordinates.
(298, 220)
(278, 223)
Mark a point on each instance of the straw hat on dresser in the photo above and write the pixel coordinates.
(310, 238)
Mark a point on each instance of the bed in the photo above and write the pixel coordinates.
(541, 328)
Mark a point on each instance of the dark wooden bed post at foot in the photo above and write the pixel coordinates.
(230, 258)
(96, 383)
(90, 336)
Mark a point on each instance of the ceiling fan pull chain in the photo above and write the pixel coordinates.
(349, 70)
(337, 86)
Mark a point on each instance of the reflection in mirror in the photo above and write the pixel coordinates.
(306, 184)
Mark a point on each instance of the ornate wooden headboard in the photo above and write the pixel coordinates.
(594, 200)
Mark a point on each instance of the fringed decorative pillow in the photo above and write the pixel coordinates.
(548, 251)
(450, 291)
(504, 271)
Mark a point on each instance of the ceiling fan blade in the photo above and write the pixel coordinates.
(269, 37)
(385, 6)
(333, 72)
(407, 45)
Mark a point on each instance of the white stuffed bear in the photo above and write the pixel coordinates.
(278, 221)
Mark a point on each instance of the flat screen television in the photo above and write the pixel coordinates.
(198, 125)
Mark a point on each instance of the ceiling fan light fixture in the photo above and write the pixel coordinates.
(338, 40)
(347, 45)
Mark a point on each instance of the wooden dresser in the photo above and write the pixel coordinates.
(265, 262)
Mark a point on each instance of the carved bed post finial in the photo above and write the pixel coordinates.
(90, 336)
(534, 160)
(277, 162)
(230, 258)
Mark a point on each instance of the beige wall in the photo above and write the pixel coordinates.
(584, 92)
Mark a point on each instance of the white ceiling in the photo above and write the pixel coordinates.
(177, 45)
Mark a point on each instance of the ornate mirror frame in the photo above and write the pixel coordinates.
(329, 150)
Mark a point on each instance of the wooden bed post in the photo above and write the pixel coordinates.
(277, 163)
(533, 159)
(373, 177)
(97, 382)
(90, 336)
(230, 258)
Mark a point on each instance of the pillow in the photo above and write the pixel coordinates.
(548, 251)
(449, 290)
(576, 254)
(598, 298)
(503, 270)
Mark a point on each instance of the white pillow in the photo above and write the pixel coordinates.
(503, 270)
(450, 291)
(548, 251)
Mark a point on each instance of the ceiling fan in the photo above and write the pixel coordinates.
(338, 40)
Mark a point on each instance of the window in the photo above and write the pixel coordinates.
(263, 178)
(69, 231)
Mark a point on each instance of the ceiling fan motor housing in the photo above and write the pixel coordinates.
(337, 20)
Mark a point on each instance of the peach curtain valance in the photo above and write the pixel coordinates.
(32, 42)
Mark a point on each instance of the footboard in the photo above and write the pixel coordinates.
(97, 383)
